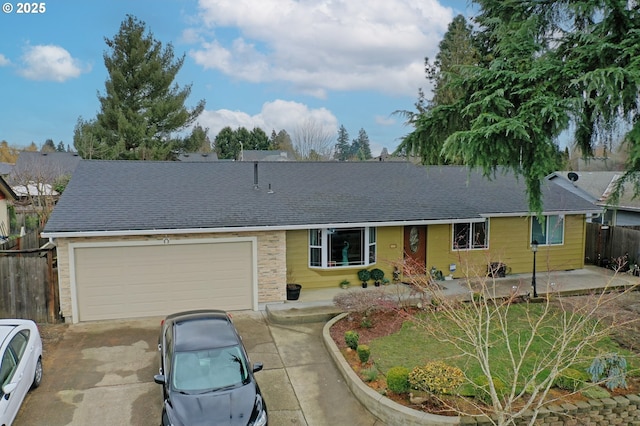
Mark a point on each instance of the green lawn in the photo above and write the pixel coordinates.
(414, 346)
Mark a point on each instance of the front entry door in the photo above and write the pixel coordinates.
(415, 250)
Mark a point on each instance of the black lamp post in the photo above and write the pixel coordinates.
(534, 249)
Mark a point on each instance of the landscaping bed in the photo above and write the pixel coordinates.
(378, 324)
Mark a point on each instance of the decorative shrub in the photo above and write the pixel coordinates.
(351, 338)
(436, 377)
(369, 374)
(482, 388)
(377, 275)
(398, 379)
(571, 379)
(365, 322)
(363, 353)
(364, 275)
(610, 368)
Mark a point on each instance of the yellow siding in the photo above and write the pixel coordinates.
(389, 248)
(508, 243)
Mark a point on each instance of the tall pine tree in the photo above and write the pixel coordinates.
(142, 110)
(342, 151)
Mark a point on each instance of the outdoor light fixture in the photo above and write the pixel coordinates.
(534, 249)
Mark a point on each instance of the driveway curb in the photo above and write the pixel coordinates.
(390, 412)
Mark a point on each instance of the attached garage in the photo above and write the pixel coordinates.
(143, 279)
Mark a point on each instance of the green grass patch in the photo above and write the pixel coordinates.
(414, 346)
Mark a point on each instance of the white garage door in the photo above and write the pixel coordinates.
(141, 281)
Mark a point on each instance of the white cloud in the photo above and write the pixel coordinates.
(51, 63)
(320, 45)
(385, 120)
(4, 61)
(277, 115)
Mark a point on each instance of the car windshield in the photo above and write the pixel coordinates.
(201, 371)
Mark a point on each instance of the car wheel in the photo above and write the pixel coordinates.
(37, 377)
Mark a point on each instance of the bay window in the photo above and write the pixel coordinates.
(333, 247)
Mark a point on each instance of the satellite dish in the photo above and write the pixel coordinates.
(573, 176)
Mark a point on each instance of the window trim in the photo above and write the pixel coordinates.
(470, 236)
(366, 231)
(546, 230)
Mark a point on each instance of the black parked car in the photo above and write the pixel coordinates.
(205, 374)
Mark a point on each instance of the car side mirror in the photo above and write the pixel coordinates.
(8, 388)
(159, 379)
(257, 367)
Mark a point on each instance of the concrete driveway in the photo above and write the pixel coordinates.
(102, 373)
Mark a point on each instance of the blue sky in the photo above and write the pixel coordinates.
(273, 64)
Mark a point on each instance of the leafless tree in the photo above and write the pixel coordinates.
(475, 322)
(37, 184)
(312, 141)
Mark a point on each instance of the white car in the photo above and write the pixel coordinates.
(21, 364)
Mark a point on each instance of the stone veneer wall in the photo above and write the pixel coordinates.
(618, 410)
(272, 265)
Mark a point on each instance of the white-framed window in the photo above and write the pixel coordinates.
(550, 232)
(470, 235)
(342, 247)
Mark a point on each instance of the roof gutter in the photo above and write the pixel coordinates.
(191, 231)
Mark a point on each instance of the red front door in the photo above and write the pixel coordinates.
(415, 250)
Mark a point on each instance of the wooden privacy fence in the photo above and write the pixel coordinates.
(29, 285)
(604, 245)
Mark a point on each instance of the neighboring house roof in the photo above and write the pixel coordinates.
(42, 166)
(265, 155)
(5, 169)
(198, 156)
(134, 197)
(34, 189)
(597, 188)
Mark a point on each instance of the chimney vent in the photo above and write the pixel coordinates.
(255, 175)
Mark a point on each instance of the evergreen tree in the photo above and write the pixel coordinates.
(226, 145)
(544, 66)
(361, 146)
(142, 110)
(198, 140)
(272, 140)
(458, 48)
(258, 140)
(282, 142)
(60, 147)
(343, 148)
(48, 146)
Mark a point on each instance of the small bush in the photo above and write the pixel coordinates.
(482, 389)
(610, 369)
(351, 338)
(398, 379)
(363, 353)
(365, 322)
(571, 379)
(436, 377)
(369, 374)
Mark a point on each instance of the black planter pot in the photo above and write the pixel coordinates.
(364, 284)
(293, 291)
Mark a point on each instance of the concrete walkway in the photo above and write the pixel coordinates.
(317, 304)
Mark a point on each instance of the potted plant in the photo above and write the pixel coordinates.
(293, 291)
(345, 284)
(377, 275)
(364, 275)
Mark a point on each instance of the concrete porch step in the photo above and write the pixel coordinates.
(301, 312)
